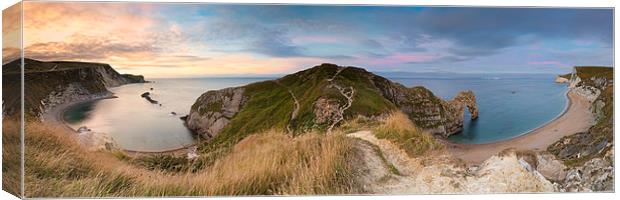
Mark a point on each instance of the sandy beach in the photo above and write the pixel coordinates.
(576, 118)
(55, 115)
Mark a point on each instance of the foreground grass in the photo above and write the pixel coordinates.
(261, 164)
(399, 129)
(11, 157)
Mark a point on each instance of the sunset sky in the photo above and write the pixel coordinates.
(191, 40)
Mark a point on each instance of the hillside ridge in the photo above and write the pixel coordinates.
(321, 98)
(48, 84)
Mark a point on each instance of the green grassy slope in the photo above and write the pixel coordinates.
(270, 104)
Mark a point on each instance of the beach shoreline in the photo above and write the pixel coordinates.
(55, 116)
(575, 118)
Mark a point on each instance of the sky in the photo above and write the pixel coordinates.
(193, 40)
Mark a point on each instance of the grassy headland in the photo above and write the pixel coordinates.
(271, 103)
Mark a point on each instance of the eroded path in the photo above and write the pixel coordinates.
(438, 173)
(347, 94)
(295, 103)
(336, 74)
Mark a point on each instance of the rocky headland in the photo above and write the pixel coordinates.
(50, 84)
(321, 98)
(52, 87)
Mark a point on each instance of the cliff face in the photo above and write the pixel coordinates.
(130, 78)
(214, 109)
(589, 155)
(48, 84)
(322, 98)
(428, 111)
(596, 85)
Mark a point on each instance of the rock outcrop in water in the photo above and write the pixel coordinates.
(321, 98)
(48, 84)
(147, 96)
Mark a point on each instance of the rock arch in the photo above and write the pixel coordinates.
(466, 99)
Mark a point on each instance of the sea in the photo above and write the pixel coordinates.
(509, 105)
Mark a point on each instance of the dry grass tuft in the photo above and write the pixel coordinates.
(11, 157)
(358, 123)
(261, 164)
(399, 129)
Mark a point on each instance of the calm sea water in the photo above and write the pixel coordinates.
(508, 104)
(136, 124)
